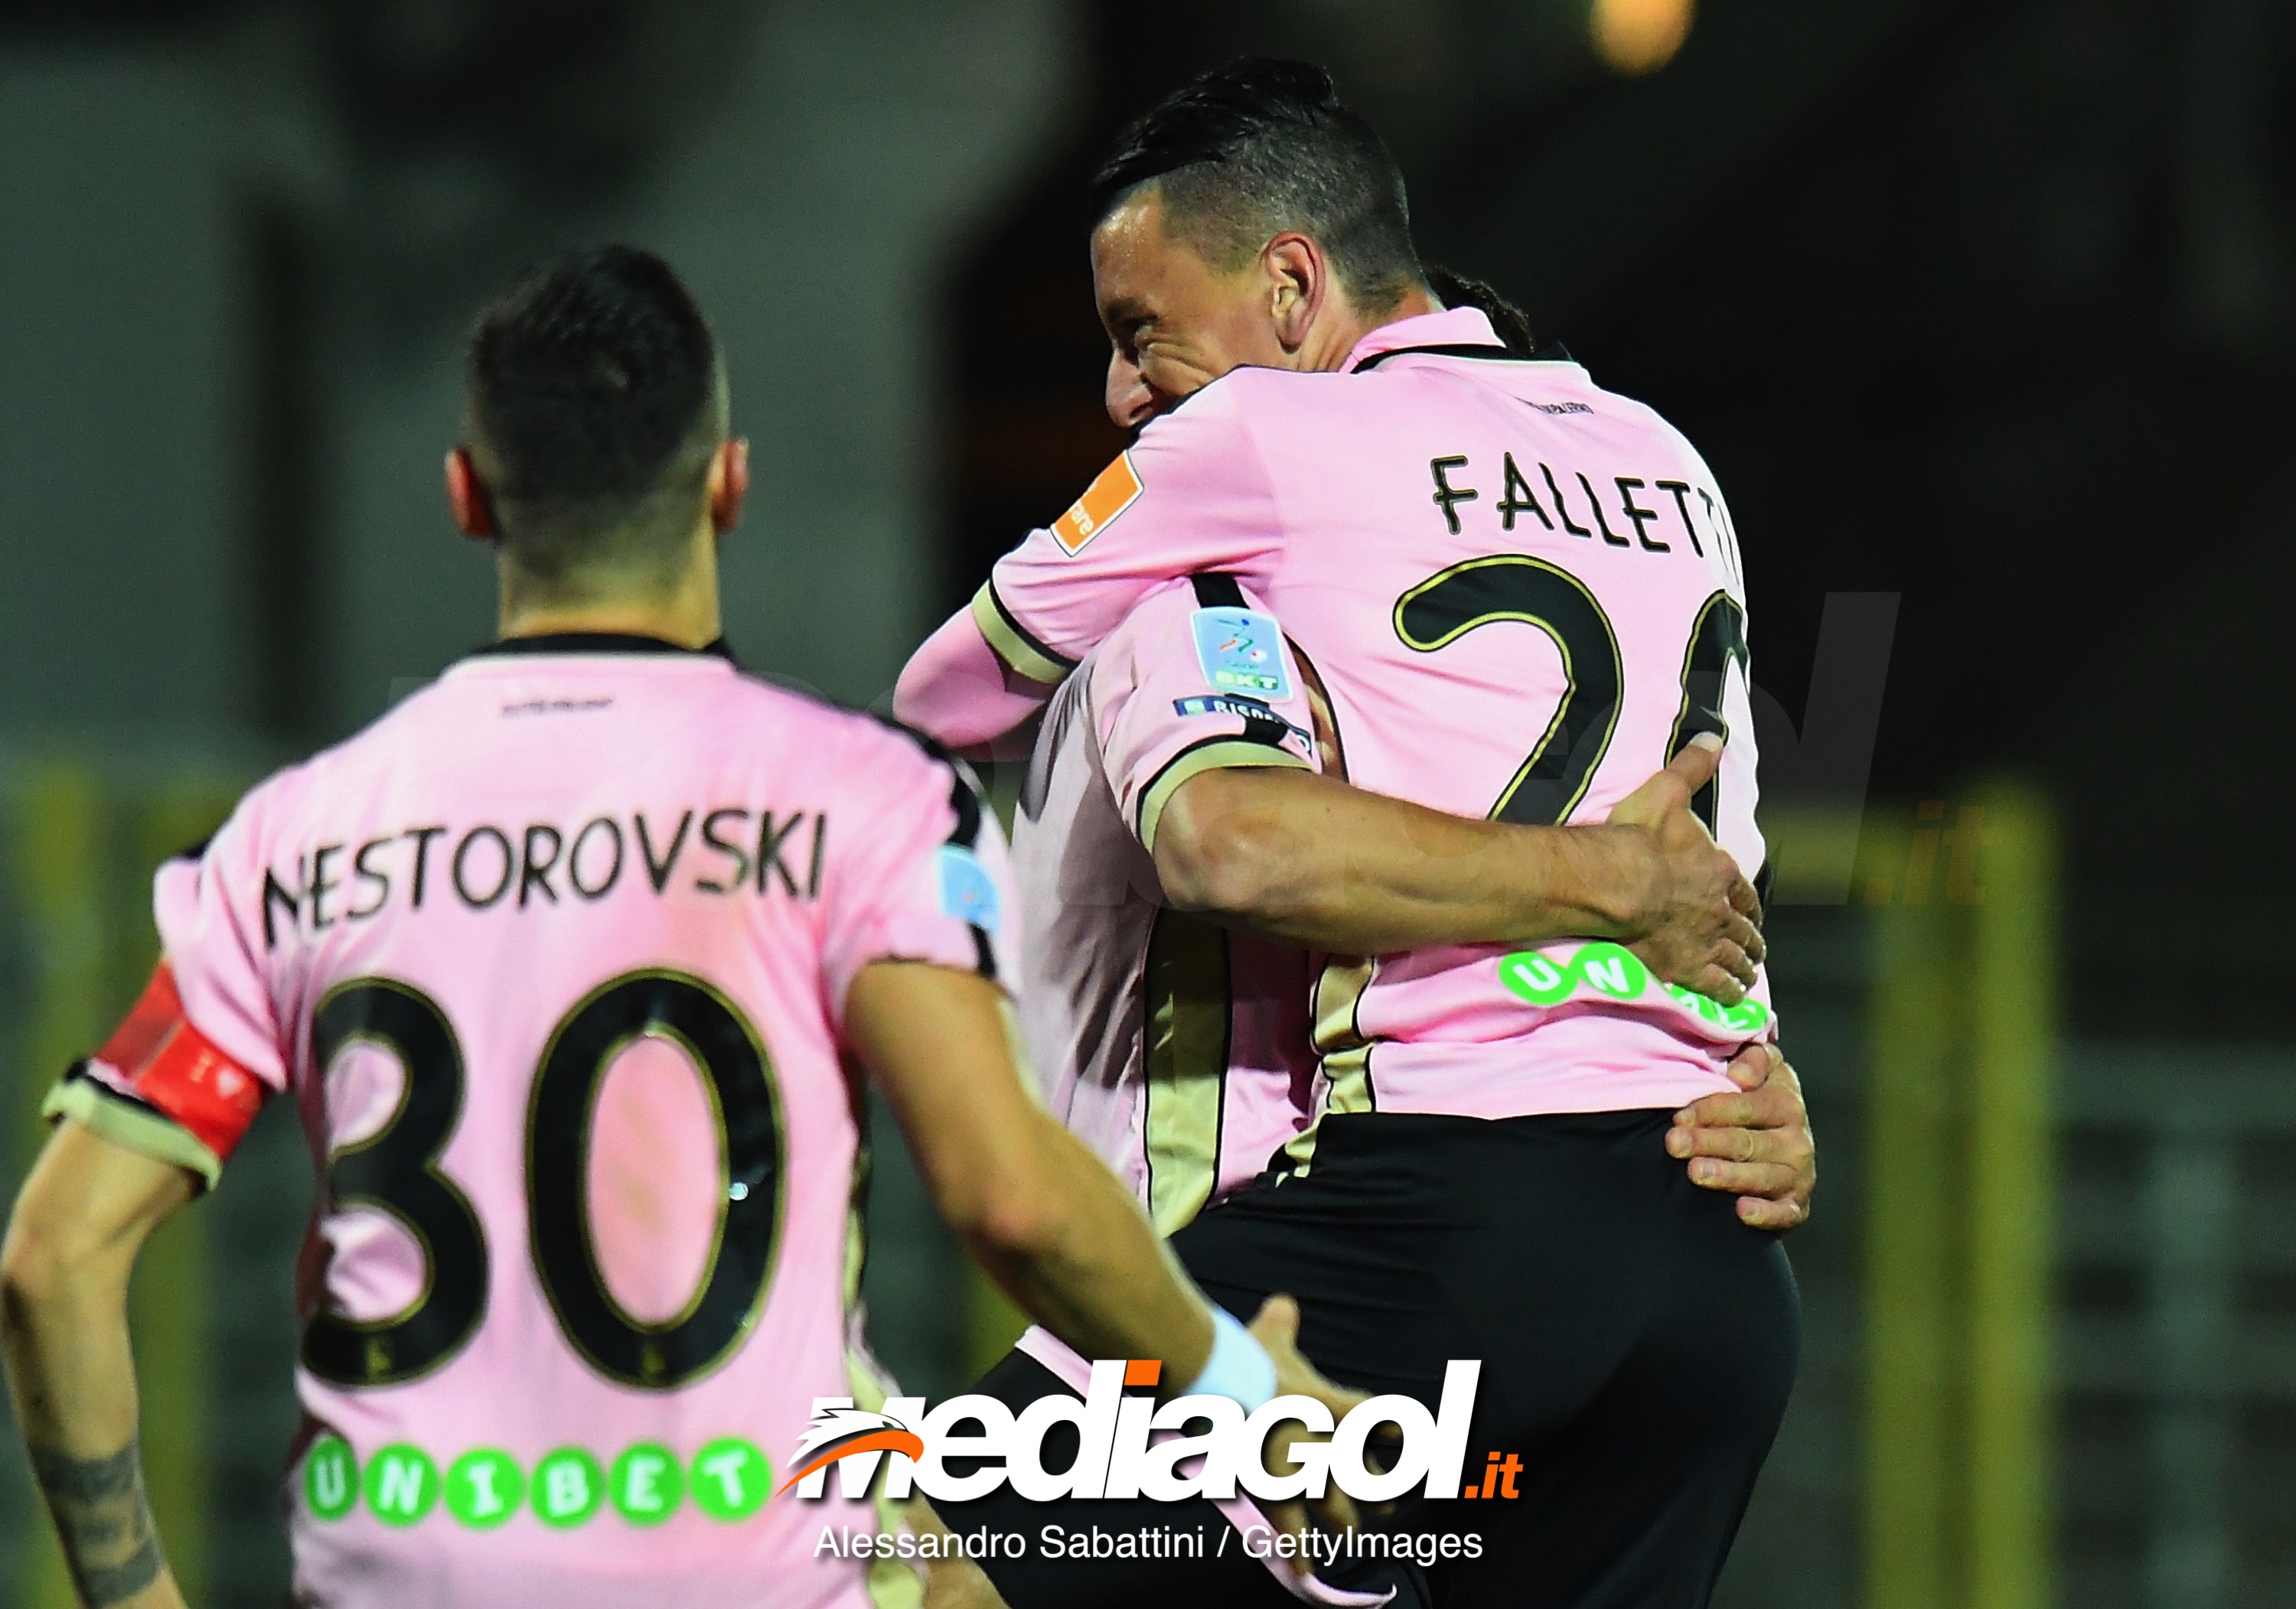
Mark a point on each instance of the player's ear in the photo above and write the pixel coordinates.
(1297, 280)
(466, 496)
(729, 485)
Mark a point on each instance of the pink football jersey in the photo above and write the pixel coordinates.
(1178, 1050)
(1523, 593)
(553, 959)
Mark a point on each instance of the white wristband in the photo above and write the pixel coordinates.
(1239, 1369)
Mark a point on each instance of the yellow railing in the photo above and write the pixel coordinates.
(83, 838)
(1958, 1188)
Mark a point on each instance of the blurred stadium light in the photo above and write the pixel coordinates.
(1638, 36)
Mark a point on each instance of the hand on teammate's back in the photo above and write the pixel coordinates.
(1755, 1142)
(1700, 923)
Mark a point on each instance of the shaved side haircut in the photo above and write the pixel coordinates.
(596, 397)
(1261, 146)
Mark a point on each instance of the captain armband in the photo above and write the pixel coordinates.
(159, 1086)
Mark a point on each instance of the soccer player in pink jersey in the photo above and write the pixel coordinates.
(1178, 1050)
(1520, 594)
(567, 962)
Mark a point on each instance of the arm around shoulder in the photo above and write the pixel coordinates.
(1308, 860)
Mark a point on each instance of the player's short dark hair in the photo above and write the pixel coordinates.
(1510, 323)
(596, 398)
(1259, 146)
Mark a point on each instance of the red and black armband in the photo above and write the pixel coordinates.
(161, 1087)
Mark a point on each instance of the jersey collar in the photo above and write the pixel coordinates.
(1452, 327)
(599, 642)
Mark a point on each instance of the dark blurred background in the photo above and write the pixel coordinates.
(1983, 305)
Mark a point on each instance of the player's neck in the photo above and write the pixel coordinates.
(686, 615)
(1329, 345)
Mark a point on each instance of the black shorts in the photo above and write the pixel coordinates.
(1638, 1345)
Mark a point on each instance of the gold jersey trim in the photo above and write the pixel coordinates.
(1013, 643)
(1218, 754)
(1342, 1048)
(147, 1133)
(1189, 1013)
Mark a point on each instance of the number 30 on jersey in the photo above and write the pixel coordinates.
(396, 1172)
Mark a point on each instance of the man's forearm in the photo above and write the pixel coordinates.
(1052, 1226)
(71, 1373)
(1095, 1274)
(1312, 861)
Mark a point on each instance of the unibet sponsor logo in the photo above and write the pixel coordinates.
(645, 1484)
(1614, 972)
(1213, 1449)
(484, 1488)
(568, 1487)
(330, 1478)
(402, 1483)
(729, 1480)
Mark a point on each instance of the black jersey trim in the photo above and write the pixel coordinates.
(1215, 591)
(965, 799)
(599, 642)
(1022, 641)
(1261, 743)
(1553, 352)
(1478, 349)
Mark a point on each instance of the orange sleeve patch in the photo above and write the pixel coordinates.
(172, 1066)
(1117, 489)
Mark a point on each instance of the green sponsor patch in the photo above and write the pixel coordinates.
(568, 1488)
(731, 1479)
(646, 1484)
(1610, 969)
(484, 1488)
(402, 1484)
(1537, 978)
(330, 1478)
(1690, 1001)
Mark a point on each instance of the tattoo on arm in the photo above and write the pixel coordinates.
(103, 1519)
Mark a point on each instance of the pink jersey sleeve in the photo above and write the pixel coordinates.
(1198, 677)
(921, 875)
(959, 691)
(1192, 496)
(212, 919)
